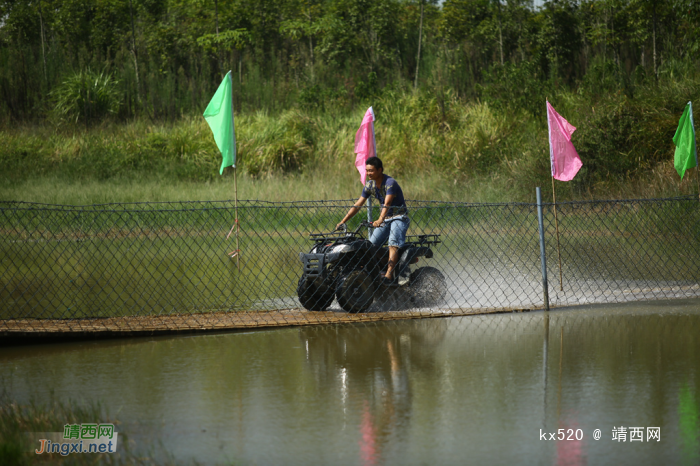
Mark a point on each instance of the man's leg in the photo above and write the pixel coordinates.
(397, 238)
(379, 235)
(393, 259)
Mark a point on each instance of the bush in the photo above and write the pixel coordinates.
(86, 97)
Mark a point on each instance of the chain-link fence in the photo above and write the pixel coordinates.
(158, 266)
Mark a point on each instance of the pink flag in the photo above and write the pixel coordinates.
(365, 146)
(562, 154)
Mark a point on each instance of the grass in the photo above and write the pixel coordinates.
(662, 181)
(50, 416)
(315, 185)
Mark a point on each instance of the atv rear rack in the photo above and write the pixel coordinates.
(422, 239)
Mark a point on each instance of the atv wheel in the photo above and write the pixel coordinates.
(428, 287)
(314, 294)
(355, 292)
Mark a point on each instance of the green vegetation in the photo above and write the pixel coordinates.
(51, 416)
(464, 151)
(102, 101)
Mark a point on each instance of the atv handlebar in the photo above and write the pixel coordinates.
(342, 230)
(344, 227)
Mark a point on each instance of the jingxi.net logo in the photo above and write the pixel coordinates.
(78, 438)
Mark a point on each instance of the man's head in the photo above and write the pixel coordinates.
(374, 168)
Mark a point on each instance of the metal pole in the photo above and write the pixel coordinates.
(543, 257)
(369, 200)
(556, 224)
(369, 211)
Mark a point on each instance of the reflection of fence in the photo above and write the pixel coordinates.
(167, 265)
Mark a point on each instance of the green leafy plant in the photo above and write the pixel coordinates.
(86, 96)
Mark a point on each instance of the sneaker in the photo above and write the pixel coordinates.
(403, 279)
(389, 282)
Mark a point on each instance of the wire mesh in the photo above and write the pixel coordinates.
(158, 266)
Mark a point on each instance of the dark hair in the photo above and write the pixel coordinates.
(375, 162)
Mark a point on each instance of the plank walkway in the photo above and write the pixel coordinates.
(212, 321)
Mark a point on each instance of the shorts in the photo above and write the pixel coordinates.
(394, 228)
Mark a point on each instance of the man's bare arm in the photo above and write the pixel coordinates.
(353, 210)
(385, 208)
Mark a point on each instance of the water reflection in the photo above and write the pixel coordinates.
(374, 364)
(407, 392)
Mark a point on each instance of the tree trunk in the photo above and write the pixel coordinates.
(43, 40)
(420, 40)
(311, 47)
(311, 50)
(216, 16)
(616, 55)
(500, 32)
(656, 72)
(133, 52)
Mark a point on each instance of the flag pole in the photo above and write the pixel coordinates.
(695, 151)
(369, 200)
(695, 148)
(216, 114)
(556, 224)
(235, 180)
(235, 204)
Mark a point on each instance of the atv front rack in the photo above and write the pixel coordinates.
(332, 235)
(313, 264)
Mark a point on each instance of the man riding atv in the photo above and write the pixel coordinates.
(393, 219)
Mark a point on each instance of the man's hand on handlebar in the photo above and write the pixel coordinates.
(377, 223)
(342, 226)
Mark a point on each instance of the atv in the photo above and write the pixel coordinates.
(343, 265)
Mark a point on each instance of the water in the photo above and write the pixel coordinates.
(457, 390)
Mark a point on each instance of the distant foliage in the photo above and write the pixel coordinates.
(470, 105)
(169, 55)
(86, 97)
(270, 144)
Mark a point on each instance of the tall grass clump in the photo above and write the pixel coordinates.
(86, 96)
(280, 143)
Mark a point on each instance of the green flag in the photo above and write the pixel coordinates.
(219, 115)
(686, 153)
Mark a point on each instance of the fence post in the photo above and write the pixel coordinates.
(543, 256)
(369, 215)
